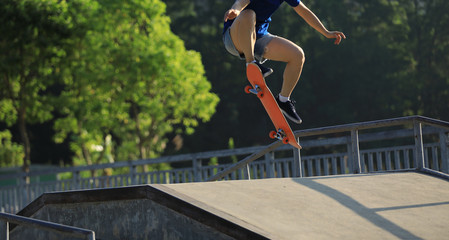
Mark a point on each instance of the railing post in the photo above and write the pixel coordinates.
(349, 150)
(419, 146)
(355, 151)
(76, 180)
(91, 236)
(297, 165)
(248, 172)
(23, 191)
(444, 152)
(269, 164)
(197, 164)
(133, 172)
(4, 230)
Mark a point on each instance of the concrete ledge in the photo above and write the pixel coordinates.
(118, 198)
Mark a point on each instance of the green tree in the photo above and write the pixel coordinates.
(36, 35)
(134, 82)
(11, 154)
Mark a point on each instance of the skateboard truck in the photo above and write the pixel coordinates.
(257, 90)
(280, 134)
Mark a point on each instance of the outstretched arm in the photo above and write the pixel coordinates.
(235, 10)
(314, 22)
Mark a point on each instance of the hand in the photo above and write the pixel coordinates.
(231, 14)
(337, 35)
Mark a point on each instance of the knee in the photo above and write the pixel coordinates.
(299, 56)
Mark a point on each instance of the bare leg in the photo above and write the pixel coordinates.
(243, 33)
(284, 50)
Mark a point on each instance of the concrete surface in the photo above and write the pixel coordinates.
(380, 206)
(406, 205)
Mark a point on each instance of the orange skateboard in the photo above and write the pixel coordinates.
(259, 87)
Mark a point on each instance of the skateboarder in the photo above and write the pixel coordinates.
(245, 35)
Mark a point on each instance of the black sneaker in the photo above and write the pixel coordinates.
(288, 109)
(265, 71)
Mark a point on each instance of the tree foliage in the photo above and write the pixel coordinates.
(11, 153)
(131, 83)
(36, 36)
(114, 89)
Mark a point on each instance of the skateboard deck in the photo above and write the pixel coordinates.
(282, 131)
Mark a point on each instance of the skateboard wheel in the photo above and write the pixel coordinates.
(285, 140)
(273, 134)
(247, 88)
(260, 94)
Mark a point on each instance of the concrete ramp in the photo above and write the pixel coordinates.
(406, 205)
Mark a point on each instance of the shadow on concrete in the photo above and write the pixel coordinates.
(410, 206)
(367, 213)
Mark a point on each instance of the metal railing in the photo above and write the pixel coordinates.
(61, 230)
(356, 159)
(393, 144)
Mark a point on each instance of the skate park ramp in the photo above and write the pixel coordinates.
(399, 205)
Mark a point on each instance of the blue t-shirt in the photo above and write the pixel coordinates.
(263, 9)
